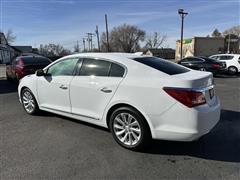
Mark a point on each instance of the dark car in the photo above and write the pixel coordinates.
(204, 64)
(25, 65)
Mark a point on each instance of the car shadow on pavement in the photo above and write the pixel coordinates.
(7, 87)
(227, 76)
(221, 144)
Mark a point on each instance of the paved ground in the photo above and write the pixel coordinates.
(54, 147)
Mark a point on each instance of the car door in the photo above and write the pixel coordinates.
(94, 86)
(53, 88)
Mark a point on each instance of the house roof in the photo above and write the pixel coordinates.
(161, 50)
(23, 49)
(3, 39)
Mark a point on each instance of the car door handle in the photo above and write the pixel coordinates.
(63, 86)
(106, 90)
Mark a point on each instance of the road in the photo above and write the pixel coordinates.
(54, 147)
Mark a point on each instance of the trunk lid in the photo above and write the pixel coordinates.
(194, 79)
(197, 81)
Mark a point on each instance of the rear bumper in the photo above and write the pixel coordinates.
(185, 124)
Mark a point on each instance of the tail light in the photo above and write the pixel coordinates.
(189, 98)
(216, 66)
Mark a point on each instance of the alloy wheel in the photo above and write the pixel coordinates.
(232, 70)
(202, 69)
(28, 102)
(127, 129)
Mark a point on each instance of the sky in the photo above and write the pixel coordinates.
(65, 22)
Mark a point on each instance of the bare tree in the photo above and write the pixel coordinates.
(10, 37)
(52, 50)
(76, 48)
(233, 30)
(124, 38)
(155, 40)
(216, 33)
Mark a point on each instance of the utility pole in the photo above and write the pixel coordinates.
(98, 38)
(84, 47)
(106, 22)
(229, 43)
(89, 38)
(77, 47)
(182, 14)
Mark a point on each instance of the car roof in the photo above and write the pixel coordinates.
(31, 56)
(103, 55)
(226, 55)
(122, 58)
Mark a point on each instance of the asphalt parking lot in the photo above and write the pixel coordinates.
(54, 147)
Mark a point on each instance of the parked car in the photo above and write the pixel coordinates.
(232, 62)
(136, 97)
(25, 65)
(204, 64)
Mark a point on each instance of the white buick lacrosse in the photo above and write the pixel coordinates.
(136, 97)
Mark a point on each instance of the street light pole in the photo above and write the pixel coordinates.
(182, 14)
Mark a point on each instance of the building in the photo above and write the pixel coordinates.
(6, 51)
(200, 46)
(165, 53)
(206, 46)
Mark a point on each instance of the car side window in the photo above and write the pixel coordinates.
(226, 57)
(94, 67)
(195, 60)
(116, 70)
(63, 68)
(184, 60)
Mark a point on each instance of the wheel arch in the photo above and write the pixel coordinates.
(25, 87)
(118, 105)
(233, 67)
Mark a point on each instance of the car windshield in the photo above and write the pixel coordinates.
(162, 65)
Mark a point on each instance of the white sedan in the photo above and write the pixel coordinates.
(136, 97)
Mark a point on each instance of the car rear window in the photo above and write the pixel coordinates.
(36, 60)
(162, 65)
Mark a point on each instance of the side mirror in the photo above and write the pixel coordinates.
(40, 72)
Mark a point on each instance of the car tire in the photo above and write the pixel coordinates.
(129, 128)
(232, 70)
(29, 102)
